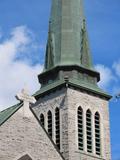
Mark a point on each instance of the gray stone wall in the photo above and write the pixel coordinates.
(50, 102)
(95, 104)
(20, 136)
(68, 101)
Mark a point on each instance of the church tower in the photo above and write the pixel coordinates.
(70, 105)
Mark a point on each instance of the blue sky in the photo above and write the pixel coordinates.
(23, 34)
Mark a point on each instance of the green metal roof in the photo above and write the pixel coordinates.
(7, 113)
(90, 87)
(75, 83)
(49, 87)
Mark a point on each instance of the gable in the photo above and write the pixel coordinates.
(19, 135)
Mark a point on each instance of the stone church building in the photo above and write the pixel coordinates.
(68, 117)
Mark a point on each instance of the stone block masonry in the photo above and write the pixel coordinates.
(20, 136)
(68, 101)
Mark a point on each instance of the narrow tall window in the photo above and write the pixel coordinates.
(57, 126)
(50, 123)
(42, 120)
(80, 128)
(89, 131)
(97, 133)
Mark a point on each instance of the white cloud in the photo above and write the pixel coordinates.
(106, 76)
(116, 67)
(14, 74)
(0, 33)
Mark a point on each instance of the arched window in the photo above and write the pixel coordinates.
(80, 128)
(97, 133)
(42, 120)
(57, 126)
(89, 131)
(50, 123)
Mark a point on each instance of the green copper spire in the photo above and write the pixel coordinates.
(67, 40)
(68, 57)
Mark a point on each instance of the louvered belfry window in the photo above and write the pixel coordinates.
(80, 128)
(50, 123)
(89, 131)
(57, 127)
(42, 120)
(97, 133)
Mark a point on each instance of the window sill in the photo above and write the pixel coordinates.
(91, 155)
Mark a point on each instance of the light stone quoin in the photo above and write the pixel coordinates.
(27, 100)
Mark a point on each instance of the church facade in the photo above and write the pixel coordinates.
(70, 116)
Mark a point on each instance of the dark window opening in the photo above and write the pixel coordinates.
(80, 128)
(50, 123)
(57, 126)
(89, 131)
(42, 120)
(97, 133)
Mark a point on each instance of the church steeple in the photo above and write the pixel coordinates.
(67, 51)
(67, 39)
(70, 105)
